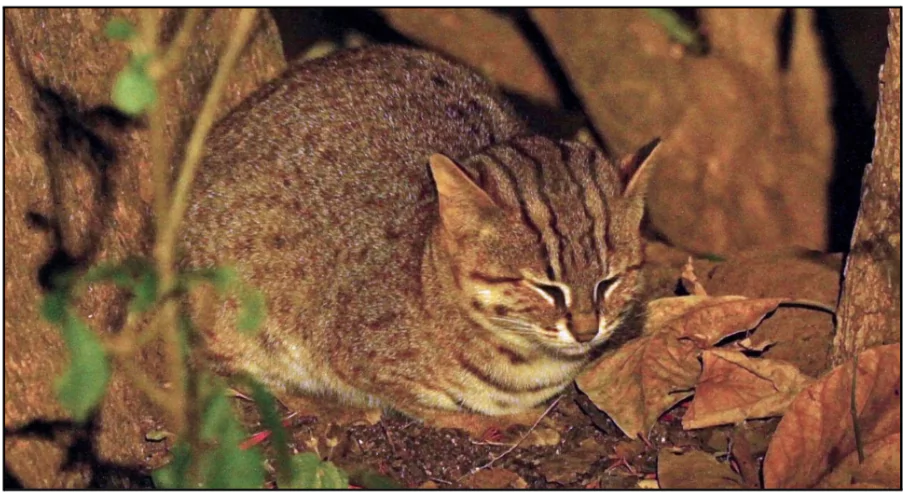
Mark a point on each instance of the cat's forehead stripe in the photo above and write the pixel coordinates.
(571, 194)
(544, 212)
(570, 236)
(597, 201)
(503, 178)
(576, 163)
(522, 187)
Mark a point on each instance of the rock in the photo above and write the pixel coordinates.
(76, 192)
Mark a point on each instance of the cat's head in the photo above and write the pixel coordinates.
(542, 240)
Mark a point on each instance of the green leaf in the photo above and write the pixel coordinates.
(269, 418)
(313, 473)
(186, 330)
(252, 310)
(54, 307)
(116, 273)
(679, 30)
(145, 291)
(252, 303)
(134, 91)
(225, 465)
(175, 474)
(135, 274)
(224, 279)
(216, 414)
(84, 383)
(228, 466)
(139, 62)
(157, 435)
(120, 29)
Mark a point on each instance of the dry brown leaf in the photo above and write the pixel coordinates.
(882, 464)
(695, 469)
(565, 468)
(640, 381)
(881, 468)
(758, 342)
(542, 436)
(742, 453)
(647, 484)
(689, 280)
(629, 451)
(494, 479)
(645, 377)
(707, 320)
(796, 335)
(815, 437)
(734, 387)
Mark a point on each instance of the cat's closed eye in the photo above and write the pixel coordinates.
(603, 287)
(555, 293)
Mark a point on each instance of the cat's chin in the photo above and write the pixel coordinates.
(572, 350)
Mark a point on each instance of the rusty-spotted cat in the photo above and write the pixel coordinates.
(418, 249)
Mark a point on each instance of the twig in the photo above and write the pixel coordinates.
(164, 322)
(195, 148)
(857, 430)
(489, 444)
(170, 61)
(150, 24)
(164, 249)
(516, 444)
(156, 395)
(649, 445)
(160, 71)
(388, 436)
(816, 305)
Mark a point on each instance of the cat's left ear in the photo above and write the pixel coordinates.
(462, 203)
(636, 171)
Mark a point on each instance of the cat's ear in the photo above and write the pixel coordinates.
(462, 203)
(636, 170)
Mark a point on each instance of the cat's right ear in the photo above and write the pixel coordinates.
(462, 203)
(636, 170)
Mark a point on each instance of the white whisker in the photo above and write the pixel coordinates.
(514, 324)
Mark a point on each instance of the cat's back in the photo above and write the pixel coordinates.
(328, 164)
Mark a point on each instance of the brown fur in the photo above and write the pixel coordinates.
(389, 206)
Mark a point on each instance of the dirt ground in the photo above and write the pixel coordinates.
(586, 455)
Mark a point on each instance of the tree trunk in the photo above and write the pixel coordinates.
(869, 309)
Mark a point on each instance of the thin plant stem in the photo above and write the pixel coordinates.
(854, 414)
(164, 249)
(157, 396)
(517, 443)
(161, 176)
(150, 23)
(815, 305)
(194, 149)
(171, 60)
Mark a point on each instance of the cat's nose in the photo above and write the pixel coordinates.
(584, 326)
